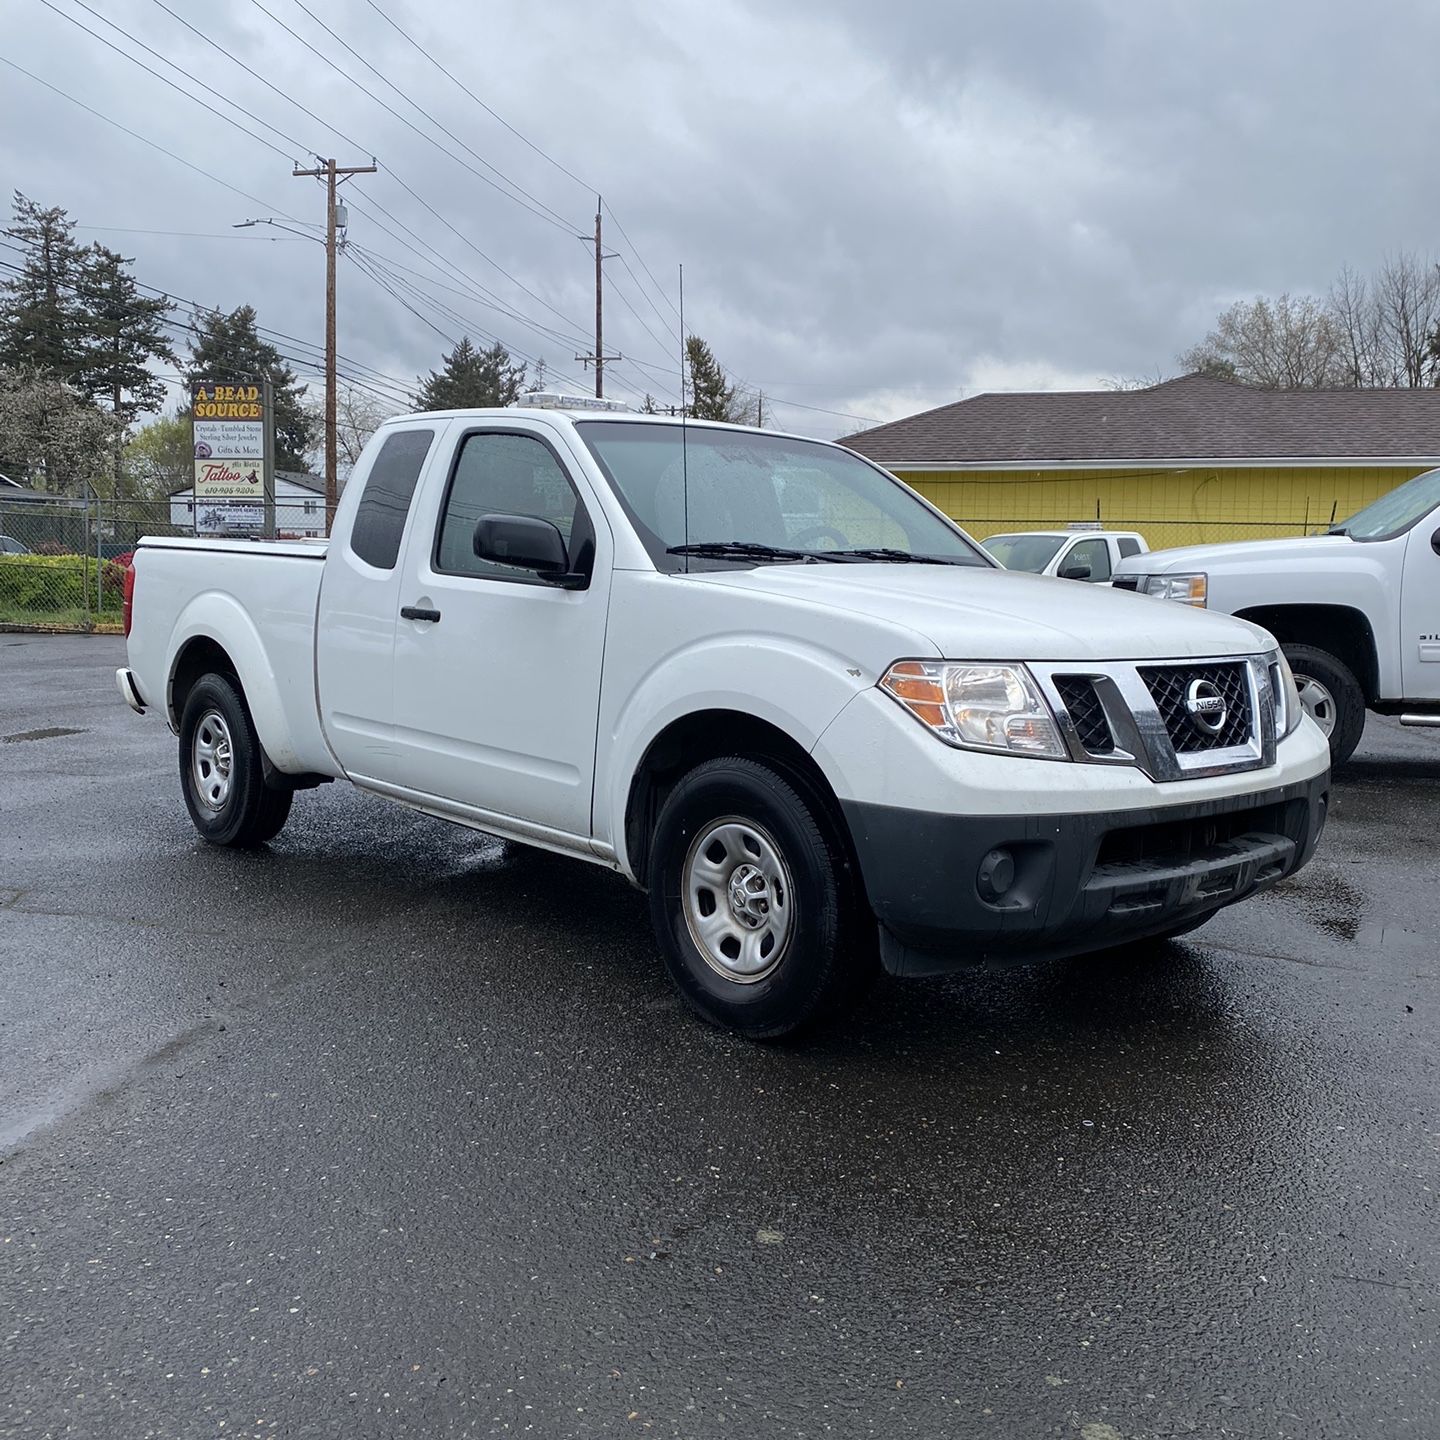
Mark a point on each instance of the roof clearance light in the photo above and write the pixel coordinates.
(555, 400)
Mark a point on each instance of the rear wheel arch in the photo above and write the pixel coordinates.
(1338, 630)
(200, 655)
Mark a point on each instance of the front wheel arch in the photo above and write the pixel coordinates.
(704, 735)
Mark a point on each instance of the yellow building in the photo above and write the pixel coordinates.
(1187, 461)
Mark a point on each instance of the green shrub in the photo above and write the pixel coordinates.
(40, 583)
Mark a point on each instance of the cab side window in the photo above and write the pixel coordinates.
(1128, 547)
(1095, 553)
(380, 516)
(499, 474)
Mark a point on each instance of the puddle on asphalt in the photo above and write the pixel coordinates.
(50, 733)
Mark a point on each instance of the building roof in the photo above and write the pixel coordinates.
(1194, 418)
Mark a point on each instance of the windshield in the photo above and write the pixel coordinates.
(1395, 513)
(1024, 552)
(752, 492)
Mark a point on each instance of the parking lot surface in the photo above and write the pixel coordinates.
(390, 1129)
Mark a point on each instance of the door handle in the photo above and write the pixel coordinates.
(419, 612)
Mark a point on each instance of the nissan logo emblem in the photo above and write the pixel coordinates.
(1206, 707)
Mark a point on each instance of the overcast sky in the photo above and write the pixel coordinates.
(879, 207)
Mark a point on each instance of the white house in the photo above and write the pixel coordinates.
(299, 504)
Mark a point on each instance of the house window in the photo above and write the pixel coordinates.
(311, 506)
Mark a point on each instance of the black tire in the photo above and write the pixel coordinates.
(1345, 691)
(828, 951)
(229, 804)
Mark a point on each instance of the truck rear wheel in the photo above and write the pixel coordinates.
(758, 931)
(1332, 697)
(222, 768)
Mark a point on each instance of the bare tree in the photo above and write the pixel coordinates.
(1135, 382)
(358, 415)
(1289, 342)
(1406, 293)
(1355, 318)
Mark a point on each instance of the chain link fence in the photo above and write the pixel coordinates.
(63, 561)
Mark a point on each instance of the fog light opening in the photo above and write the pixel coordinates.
(996, 876)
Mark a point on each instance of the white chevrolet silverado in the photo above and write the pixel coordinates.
(756, 675)
(1357, 611)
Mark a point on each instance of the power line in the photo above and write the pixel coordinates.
(269, 84)
(135, 135)
(192, 234)
(538, 150)
(573, 338)
(414, 105)
(525, 140)
(386, 391)
(376, 257)
(409, 124)
(635, 251)
(265, 332)
(370, 264)
(165, 80)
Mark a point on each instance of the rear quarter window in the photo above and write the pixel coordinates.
(1128, 548)
(385, 502)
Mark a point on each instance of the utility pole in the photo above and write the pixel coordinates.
(599, 358)
(331, 173)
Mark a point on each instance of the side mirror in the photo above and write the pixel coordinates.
(1435, 542)
(528, 544)
(1075, 570)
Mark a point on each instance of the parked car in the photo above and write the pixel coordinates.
(9, 545)
(1069, 554)
(1357, 611)
(820, 745)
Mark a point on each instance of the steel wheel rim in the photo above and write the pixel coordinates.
(212, 759)
(1317, 702)
(738, 899)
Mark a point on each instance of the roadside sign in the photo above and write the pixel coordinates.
(233, 478)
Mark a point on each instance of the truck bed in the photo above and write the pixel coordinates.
(261, 595)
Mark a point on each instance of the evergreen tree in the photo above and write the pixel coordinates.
(229, 347)
(712, 396)
(123, 333)
(41, 324)
(469, 378)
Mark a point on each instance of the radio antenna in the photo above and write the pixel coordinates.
(684, 449)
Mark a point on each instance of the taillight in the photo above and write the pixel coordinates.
(127, 604)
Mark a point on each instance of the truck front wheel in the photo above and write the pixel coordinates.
(222, 768)
(1332, 697)
(759, 932)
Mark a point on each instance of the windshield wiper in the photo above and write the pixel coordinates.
(1338, 530)
(899, 557)
(737, 550)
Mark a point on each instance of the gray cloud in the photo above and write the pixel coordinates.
(878, 208)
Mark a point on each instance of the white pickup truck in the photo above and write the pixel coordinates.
(1074, 554)
(756, 675)
(1356, 611)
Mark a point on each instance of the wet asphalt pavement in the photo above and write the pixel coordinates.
(392, 1130)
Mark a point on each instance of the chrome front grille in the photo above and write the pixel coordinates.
(1174, 719)
(1180, 689)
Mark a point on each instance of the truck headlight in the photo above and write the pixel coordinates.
(977, 707)
(1287, 696)
(1187, 589)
